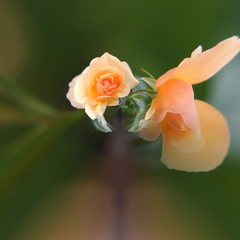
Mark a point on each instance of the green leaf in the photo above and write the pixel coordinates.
(11, 91)
(139, 107)
(21, 156)
(12, 116)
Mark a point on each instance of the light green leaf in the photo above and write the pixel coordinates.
(139, 106)
(21, 156)
(11, 91)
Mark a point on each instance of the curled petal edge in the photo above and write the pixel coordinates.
(216, 134)
(149, 130)
(203, 65)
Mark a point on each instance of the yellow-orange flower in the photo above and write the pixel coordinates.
(195, 134)
(101, 84)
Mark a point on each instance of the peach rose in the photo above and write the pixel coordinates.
(195, 134)
(101, 84)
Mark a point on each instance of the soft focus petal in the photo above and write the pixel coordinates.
(70, 94)
(113, 102)
(130, 80)
(191, 119)
(149, 130)
(165, 77)
(197, 51)
(189, 143)
(202, 66)
(216, 134)
(151, 110)
(183, 138)
(108, 60)
(174, 96)
(81, 93)
(95, 111)
(123, 91)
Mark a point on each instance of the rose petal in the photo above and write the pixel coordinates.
(149, 130)
(165, 77)
(189, 143)
(81, 92)
(216, 133)
(197, 51)
(113, 102)
(190, 118)
(70, 94)
(150, 112)
(130, 80)
(202, 66)
(183, 138)
(124, 90)
(95, 111)
(174, 96)
(106, 60)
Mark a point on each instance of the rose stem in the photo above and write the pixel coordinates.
(118, 172)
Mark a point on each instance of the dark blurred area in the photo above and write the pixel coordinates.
(52, 160)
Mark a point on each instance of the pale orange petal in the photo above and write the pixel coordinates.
(113, 102)
(123, 91)
(191, 119)
(150, 112)
(149, 130)
(183, 138)
(165, 77)
(130, 80)
(70, 94)
(197, 51)
(174, 96)
(81, 92)
(190, 143)
(95, 111)
(202, 66)
(216, 134)
(107, 61)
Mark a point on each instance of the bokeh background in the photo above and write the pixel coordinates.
(52, 160)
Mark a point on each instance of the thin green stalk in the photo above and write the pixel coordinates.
(35, 150)
(11, 91)
(142, 91)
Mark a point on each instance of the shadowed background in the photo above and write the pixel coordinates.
(52, 161)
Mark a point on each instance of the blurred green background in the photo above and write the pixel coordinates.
(51, 159)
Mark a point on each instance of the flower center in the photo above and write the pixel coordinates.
(107, 83)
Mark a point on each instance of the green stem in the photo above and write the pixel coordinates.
(37, 144)
(149, 74)
(142, 91)
(11, 91)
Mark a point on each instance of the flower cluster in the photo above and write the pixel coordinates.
(195, 135)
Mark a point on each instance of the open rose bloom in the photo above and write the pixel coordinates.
(195, 134)
(101, 84)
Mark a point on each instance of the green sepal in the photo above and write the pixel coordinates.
(102, 125)
(151, 82)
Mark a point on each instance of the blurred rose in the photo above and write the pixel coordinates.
(195, 134)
